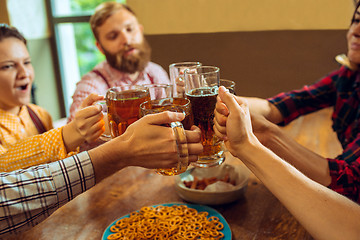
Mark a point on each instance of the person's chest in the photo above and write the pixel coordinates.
(15, 128)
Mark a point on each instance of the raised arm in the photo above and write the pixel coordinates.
(28, 196)
(87, 124)
(316, 207)
(273, 137)
(146, 143)
(264, 108)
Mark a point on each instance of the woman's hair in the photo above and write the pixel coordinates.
(103, 12)
(7, 31)
(356, 8)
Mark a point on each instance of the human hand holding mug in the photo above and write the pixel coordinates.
(163, 102)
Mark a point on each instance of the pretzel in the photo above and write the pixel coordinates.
(164, 222)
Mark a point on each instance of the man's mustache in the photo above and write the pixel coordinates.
(132, 62)
(129, 47)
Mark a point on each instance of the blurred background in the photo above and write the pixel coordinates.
(265, 46)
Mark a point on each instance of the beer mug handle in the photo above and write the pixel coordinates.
(106, 135)
(181, 144)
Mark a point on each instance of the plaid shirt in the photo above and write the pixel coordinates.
(29, 196)
(340, 89)
(93, 82)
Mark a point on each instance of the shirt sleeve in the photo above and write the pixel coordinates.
(163, 76)
(344, 171)
(306, 100)
(158, 73)
(29, 196)
(90, 83)
(34, 150)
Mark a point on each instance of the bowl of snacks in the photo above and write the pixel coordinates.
(213, 186)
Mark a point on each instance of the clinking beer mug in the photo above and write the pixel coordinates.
(123, 106)
(161, 102)
(176, 71)
(201, 87)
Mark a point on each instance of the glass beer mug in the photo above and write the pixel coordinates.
(162, 100)
(201, 87)
(123, 105)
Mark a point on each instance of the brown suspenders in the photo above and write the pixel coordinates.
(97, 72)
(36, 120)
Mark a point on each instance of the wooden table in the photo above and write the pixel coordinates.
(258, 215)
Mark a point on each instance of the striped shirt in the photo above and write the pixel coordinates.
(104, 77)
(21, 144)
(341, 90)
(28, 196)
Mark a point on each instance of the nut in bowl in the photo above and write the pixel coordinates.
(213, 186)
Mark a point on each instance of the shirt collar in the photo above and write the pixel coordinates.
(7, 119)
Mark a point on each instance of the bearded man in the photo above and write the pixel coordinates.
(120, 37)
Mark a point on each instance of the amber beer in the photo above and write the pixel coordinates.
(203, 101)
(189, 117)
(173, 105)
(123, 108)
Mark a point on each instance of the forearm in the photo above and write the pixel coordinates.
(43, 189)
(264, 108)
(105, 160)
(316, 207)
(311, 164)
(145, 143)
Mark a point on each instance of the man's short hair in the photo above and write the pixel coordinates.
(103, 12)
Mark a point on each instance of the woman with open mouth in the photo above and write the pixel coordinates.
(26, 129)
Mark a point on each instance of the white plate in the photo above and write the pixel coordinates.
(238, 173)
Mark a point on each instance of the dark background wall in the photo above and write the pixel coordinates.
(262, 63)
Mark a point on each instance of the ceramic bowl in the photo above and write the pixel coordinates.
(214, 194)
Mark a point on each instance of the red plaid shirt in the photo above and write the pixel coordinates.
(340, 89)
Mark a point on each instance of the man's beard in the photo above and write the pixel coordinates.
(133, 62)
